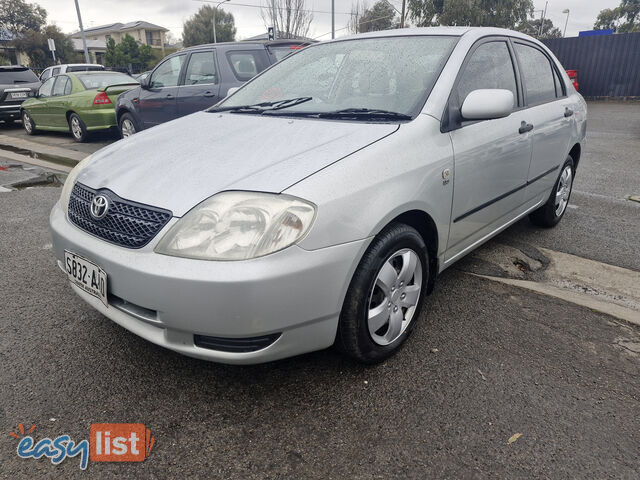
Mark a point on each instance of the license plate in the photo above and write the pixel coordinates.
(19, 95)
(86, 275)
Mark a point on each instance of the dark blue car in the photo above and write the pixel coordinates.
(194, 79)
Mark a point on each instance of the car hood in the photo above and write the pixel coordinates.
(178, 164)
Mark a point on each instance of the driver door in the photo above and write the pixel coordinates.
(39, 109)
(158, 102)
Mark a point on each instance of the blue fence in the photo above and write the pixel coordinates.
(608, 65)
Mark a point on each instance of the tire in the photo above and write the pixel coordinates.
(127, 125)
(550, 214)
(369, 295)
(27, 123)
(78, 128)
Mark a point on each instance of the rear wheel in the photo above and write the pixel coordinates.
(27, 122)
(385, 296)
(550, 214)
(127, 125)
(78, 128)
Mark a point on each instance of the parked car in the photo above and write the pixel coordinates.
(70, 67)
(17, 82)
(77, 102)
(261, 229)
(194, 79)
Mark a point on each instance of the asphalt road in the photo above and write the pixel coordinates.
(486, 362)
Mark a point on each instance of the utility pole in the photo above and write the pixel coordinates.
(84, 38)
(404, 9)
(544, 14)
(215, 9)
(275, 20)
(333, 19)
(564, 34)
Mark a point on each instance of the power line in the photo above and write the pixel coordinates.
(359, 23)
(278, 8)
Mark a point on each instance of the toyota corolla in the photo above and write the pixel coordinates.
(317, 204)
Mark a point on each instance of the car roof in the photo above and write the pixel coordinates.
(251, 43)
(476, 32)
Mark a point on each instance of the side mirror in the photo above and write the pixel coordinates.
(232, 90)
(144, 83)
(487, 104)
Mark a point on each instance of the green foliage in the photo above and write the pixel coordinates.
(199, 28)
(532, 27)
(378, 17)
(625, 18)
(34, 44)
(18, 16)
(127, 52)
(483, 13)
(4, 60)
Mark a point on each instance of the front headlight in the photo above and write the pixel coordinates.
(70, 182)
(238, 226)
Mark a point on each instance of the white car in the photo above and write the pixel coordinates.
(69, 67)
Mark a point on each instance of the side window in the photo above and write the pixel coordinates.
(490, 66)
(56, 71)
(246, 65)
(537, 74)
(46, 74)
(60, 86)
(46, 87)
(68, 87)
(168, 73)
(560, 87)
(201, 69)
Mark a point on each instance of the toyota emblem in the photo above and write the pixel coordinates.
(99, 206)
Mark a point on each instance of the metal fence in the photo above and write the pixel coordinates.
(608, 65)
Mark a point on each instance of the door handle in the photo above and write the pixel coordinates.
(525, 127)
(169, 95)
(567, 112)
(209, 94)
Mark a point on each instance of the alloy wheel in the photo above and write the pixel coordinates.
(127, 128)
(564, 190)
(76, 129)
(395, 295)
(26, 120)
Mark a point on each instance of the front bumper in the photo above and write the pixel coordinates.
(295, 293)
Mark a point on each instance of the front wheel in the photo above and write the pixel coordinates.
(78, 128)
(550, 214)
(27, 123)
(385, 296)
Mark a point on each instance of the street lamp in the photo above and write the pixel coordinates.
(566, 10)
(214, 18)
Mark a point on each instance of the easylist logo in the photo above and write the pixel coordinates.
(120, 442)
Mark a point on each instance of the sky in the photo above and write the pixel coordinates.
(172, 14)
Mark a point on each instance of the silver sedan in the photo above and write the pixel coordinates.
(316, 205)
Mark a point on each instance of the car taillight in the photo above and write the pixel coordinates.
(101, 99)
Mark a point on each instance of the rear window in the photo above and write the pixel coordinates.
(10, 76)
(85, 68)
(281, 52)
(100, 80)
(247, 64)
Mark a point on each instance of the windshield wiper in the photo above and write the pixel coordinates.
(262, 107)
(365, 113)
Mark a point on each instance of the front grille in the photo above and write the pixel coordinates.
(126, 223)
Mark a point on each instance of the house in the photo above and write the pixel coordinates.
(141, 31)
(8, 52)
(96, 49)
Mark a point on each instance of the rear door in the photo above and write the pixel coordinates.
(491, 156)
(549, 111)
(158, 103)
(200, 88)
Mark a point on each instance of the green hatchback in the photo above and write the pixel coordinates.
(78, 102)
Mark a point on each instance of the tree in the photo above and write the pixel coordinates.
(532, 27)
(198, 29)
(378, 17)
(18, 16)
(34, 44)
(625, 18)
(357, 10)
(292, 18)
(483, 13)
(127, 52)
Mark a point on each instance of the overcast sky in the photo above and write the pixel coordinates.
(172, 13)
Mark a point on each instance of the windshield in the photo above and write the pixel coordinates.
(100, 80)
(387, 74)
